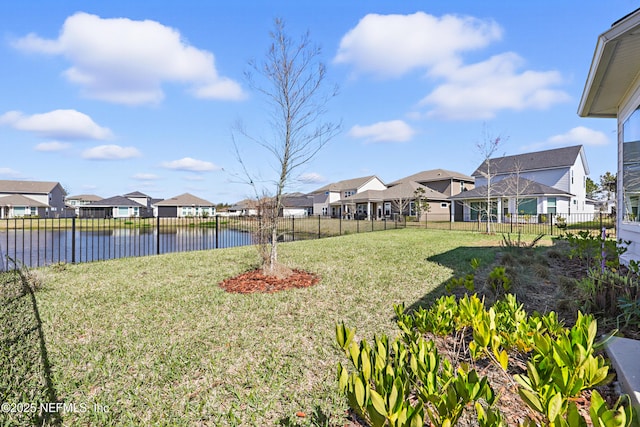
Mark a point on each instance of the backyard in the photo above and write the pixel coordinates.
(156, 341)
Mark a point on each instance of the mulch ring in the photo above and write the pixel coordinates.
(256, 281)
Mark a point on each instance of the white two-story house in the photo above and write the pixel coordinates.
(335, 199)
(531, 185)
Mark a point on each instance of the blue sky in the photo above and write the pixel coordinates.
(109, 97)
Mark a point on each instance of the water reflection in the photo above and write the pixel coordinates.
(42, 247)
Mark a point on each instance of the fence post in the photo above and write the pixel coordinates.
(217, 231)
(293, 228)
(340, 225)
(73, 240)
(319, 235)
(158, 235)
(600, 220)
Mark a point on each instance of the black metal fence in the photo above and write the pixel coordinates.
(34, 242)
(549, 224)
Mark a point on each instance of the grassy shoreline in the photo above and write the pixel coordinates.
(156, 341)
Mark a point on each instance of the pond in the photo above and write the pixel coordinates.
(36, 247)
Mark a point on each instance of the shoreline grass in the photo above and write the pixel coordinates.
(157, 342)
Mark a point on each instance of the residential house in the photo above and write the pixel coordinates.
(115, 207)
(144, 200)
(612, 90)
(336, 199)
(31, 198)
(184, 205)
(246, 207)
(536, 184)
(297, 205)
(400, 200)
(439, 182)
(74, 202)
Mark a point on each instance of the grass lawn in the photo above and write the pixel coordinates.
(157, 342)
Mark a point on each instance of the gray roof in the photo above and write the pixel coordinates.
(297, 200)
(539, 160)
(87, 197)
(32, 187)
(113, 201)
(185, 199)
(434, 175)
(405, 190)
(136, 194)
(20, 200)
(511, 186)
(347, 184)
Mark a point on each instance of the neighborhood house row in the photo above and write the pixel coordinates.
(531, 185)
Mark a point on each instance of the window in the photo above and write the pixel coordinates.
(123, 211)
(631, 166)
(387, 208)
(528, 206)
(551, 205)
(479, 211)
(462, 186)
(412, 208)
(444, 205)
(348, 193)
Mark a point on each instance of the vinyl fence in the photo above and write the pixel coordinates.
(34, 242)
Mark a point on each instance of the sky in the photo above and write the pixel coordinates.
(111, 97)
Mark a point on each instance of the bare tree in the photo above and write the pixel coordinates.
(488, 170)
(517, 187)
(401, 204)
(292, 81)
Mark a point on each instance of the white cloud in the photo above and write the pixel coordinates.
(312, 178)
(193, 178)
(189, 164)
(145, 177)
(110, 152)
(10, 173)
(52, 146)
(580, 135)
(57, 124)
(391, 45)
(480, 90)
(125, 61)
(391, 131)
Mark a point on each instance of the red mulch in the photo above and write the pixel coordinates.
(256, 281)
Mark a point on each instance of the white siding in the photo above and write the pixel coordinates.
(374, 184)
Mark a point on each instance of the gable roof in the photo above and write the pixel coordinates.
(87, 197)
(297, 200)
(347, 184)
(185, 199)
(20, 200)
(405, 190)
(511, 186)
(136, 194)
(538, 160)
(112, 201)
(614, 68)
(434, 175)
(32, 187)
